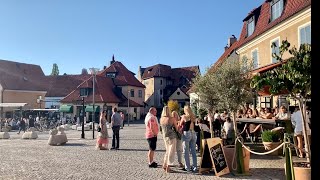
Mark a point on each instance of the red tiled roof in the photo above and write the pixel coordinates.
(188, 72)
(21, 76)
(224, 56)
(158, 70)
(262, 14)
(61, 86)
(104, 91)
(266, 68)
(124, 77)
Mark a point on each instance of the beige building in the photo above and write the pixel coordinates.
(272, 22)
(164, 83)
(21, 83)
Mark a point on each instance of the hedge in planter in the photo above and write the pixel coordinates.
(271, 140)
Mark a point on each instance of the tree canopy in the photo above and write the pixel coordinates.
(55, 70)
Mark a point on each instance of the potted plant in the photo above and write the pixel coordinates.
(271, 140)
(293, 76)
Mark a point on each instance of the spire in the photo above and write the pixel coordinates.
(112, 61)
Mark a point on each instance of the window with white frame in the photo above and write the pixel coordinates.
(254, 55)
(140, 93)
(265, 102)
(305, 34)
(275, 49)
(250, 26)
(132, 92)
(276, 9)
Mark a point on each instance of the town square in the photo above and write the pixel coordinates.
(164, 90)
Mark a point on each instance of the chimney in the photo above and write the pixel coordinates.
(231, 40)
(226, 47)
(104, 67)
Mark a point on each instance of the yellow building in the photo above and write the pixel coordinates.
(272, 22)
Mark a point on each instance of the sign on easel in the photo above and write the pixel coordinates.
(213, 157)
(206, 162)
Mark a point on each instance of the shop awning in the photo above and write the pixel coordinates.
(89, 108)
(66, 108)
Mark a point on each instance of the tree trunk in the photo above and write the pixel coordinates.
(302, 106)
(239, 150)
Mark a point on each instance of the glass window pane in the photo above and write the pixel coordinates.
(308, 34)
(302, 36)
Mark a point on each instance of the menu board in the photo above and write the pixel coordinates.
(206, 162)
(217, 156)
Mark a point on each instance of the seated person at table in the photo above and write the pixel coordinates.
(250, 114)
(229, 131)
(261, 112)
(240, 113)
(267, 114)
(282, 115)
(256, 112)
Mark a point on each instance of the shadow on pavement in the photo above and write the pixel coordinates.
(268, 157)
(145, 150)
(74, 144)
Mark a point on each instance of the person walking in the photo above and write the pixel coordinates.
(102, 140)
(176, 116)
(122, 118)
(152, 130)
(189, 138)
(22, 125)
(116, 121)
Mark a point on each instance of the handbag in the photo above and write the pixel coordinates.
(99, 129)
(178, 134)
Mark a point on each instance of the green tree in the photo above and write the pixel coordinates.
(293, 77)
(227, 87)
(55, 70)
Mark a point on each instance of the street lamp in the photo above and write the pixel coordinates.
(39, 99)
(83, 93)
(93, 72)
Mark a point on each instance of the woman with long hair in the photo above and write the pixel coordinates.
(189, 138)
(176, 116)
(102, 140)
(167, 124)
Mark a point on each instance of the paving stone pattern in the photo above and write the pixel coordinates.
(78, 159)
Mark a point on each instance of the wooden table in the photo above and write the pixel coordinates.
(256, 121)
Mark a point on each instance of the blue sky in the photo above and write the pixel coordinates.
(78, 34)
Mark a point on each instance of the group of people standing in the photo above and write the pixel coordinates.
(172, 125)
(116, 123)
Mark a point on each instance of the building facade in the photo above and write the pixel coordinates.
(164, 83)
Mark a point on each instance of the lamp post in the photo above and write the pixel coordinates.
(128, 107)
(83, 93)
(82, 129)
(93, 72)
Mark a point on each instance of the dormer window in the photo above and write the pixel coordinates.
(111, 75)
(250, 26)
(84, 92)
(276, 9)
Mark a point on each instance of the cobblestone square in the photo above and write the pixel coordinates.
(78, 159)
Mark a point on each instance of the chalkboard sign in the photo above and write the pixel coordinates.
(217, 156)
(206, 162)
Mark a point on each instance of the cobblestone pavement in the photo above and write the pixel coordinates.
(78, 159)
